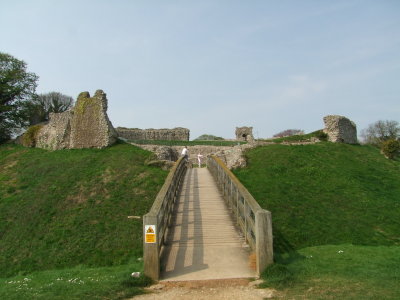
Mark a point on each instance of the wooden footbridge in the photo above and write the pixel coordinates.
(205, 225)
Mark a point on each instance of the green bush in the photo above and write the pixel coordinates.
(29, 137)
(321, 135)
(391, 148)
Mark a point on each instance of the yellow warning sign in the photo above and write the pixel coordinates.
(150, 238)
(150, 233)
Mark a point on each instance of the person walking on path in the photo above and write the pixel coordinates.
(199, 157)
(185, 153)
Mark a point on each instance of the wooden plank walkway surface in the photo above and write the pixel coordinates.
(202, 242)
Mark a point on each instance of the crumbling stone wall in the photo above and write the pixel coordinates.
(244, 134)
(340, 129)
(90, 125)
(57, 133)
(176, 134)
(174, 152)
(232, 156)
(166, 153)
(85, 126)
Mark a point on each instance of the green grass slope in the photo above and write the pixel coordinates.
(326, 194)
(60, 209)
(338, 272)
(335, 212)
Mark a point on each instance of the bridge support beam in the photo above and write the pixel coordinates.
(264, 244)
(151, 252)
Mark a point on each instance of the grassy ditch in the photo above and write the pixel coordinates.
(322, 195)
(68, 208)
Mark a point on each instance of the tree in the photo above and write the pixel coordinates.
(381, 131)
(16, 87)
(391, 148)
(41, 106)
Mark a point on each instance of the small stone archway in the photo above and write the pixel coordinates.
(244, 134)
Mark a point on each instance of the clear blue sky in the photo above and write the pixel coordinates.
(212, 65)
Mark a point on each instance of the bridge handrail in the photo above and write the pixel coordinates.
(254, 222)
(159, 216)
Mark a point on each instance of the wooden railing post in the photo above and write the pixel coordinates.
(255, 222)
(156, 221)
(264, 241)
(151, 251)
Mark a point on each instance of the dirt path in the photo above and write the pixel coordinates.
(240, 289)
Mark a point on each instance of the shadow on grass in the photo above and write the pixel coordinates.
(278, 275)
(284, 251)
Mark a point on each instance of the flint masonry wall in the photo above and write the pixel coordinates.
(340, 129)
(90, 125)
(175, 134)
(57, 133)
(85, 126)
(244, 134)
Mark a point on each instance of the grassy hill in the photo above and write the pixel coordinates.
(70, 208)
(335, 211)
(65, 231)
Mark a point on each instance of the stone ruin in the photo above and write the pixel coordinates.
(244, 134)
(176, 134)
(84, 126)
(340, 129)
(232, 156)
(166, 153)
